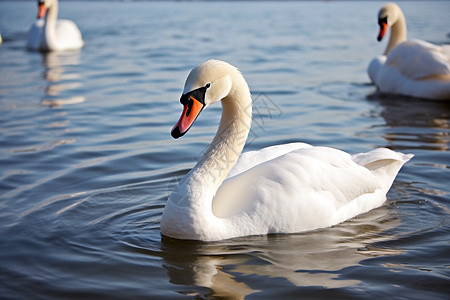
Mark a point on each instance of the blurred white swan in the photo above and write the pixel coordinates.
(409, 67)
(49, 34)
(280, 189)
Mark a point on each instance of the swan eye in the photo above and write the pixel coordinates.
(383, 20)
(197, 94)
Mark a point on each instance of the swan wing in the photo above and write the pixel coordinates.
(317, 181)
(250, 159)
(68, 35)
(305, 189)
(417, 60)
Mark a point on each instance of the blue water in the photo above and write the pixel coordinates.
(87, 160)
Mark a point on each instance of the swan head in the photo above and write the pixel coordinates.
(210, 82)
(41, 9)
(387, 17)
(43, 6)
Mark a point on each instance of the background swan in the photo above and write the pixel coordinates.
(49, 34)
(413, 68)
(279, 189)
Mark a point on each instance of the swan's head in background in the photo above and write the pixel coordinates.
(43, 6)
(206, 84)
(41, 9)
(387, 17)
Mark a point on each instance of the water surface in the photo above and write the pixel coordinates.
(87, 160)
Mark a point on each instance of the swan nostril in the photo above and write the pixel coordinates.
(190, 104)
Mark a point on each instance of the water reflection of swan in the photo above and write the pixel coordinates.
(421, 125)
(194, 268)
(59, 80)
(313, 259)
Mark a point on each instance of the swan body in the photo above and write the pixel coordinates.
(280, 189)
(409, 67)
(50, 34)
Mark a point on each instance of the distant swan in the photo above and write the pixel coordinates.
(413, 68)
(49, 34)
(280, 189)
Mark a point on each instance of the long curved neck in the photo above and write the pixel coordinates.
(398, 33)
(227, 145)
(48, 39)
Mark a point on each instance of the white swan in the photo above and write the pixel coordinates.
(412, 68)
(280, 189)
(49, 34)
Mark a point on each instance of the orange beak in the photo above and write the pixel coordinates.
(191, 110)
(41, 10)
(383, 29)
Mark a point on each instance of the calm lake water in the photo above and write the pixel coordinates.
(87, 160)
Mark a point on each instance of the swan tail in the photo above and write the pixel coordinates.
(383, 163)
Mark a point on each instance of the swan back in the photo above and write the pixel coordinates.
(68, 36)
(304, 189)
(419, 60)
